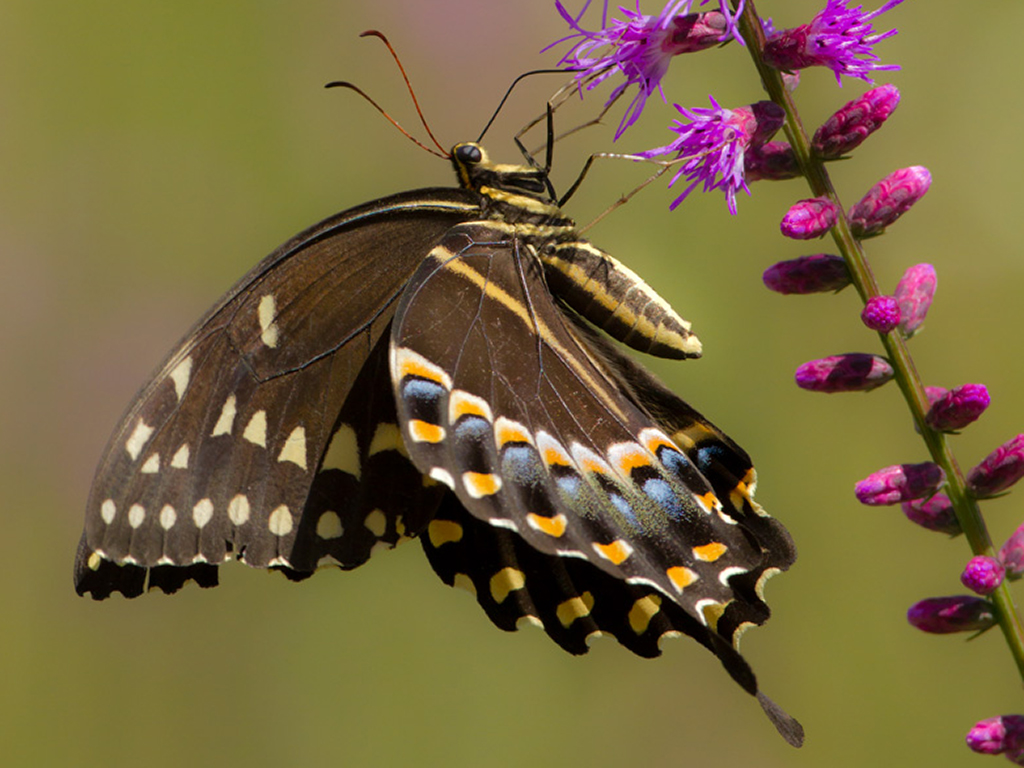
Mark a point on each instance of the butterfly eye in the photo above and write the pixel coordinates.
(468, 154)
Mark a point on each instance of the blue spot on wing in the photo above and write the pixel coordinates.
(660, 492)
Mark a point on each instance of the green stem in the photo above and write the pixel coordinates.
(967, 511)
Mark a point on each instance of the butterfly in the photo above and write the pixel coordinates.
(439, 364)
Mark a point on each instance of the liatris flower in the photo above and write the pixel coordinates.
(856, 372)
(773, 161)
(888, 200)
(934, 513)
(1000, 469)
(900, 482)
(958, 408)
(850, 126)
(715, 141)
(983, 575)
(838, 38)
(808, 219)
(997, 735)
(816, 273)
(915, 292)
(641, 48)
(959, 613)
(1011, 554)
(881, 313)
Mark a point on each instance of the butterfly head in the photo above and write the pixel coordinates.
(521, 185)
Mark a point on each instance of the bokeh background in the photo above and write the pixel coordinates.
(151, 152)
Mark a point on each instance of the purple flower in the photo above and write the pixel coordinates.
(997, 735)
(856, 372)
(1000, 469)
(900, 482)
(1011, 554)
(934, 513)
(714, 144)
(888, 200)
(915, 292)
(959, 613)
(958, 407)
(850, 126)
(817, 273)
(773, 161)
(640, 48)
(881, 313)
(808, 219)
(838, 38)
(983, 575)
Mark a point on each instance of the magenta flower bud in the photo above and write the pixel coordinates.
(934, 394)
(958, 407)
(850, 126)
(899, 482)
(1011, 554)
(915, 292)
(881, 313)
(817, 273)
(855, 372)
(997, 735)
(934, 513)
(808, 219)
(983, 575)
(959, 613)
(773, 161)
(1000, 469)
(888, 200)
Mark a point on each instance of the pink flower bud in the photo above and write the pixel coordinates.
(958, 408)
(1011, 554)
(915, 292)
(817, 273)
(854, 372)
(888, 200)
(808, 219)
(881, 313)
(1000, 469)
(900, 482)
(850, 126)
(983, 575)
(774, 161)
(959, 613)
(934, 513)
(997, 735)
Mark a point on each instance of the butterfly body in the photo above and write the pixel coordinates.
(426, 366)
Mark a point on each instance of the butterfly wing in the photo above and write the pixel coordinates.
(242, 444)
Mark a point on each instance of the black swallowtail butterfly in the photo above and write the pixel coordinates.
(425, 366)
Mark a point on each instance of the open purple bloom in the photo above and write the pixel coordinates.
(997, 735)
(839, 38)
(881, 313)
(900, 482)
(958, 407)
(714, 144)
(915, 292)
(1011, 554)
(640, 48)
(888, 200)
(807, 219)
(855, 372)
(934, 513)
(850, 126)
(817, 273)
(1000, 469)
(959, 613)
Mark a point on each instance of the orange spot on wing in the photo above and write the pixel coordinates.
(552, 526)
(710, 552)
(681, 577)
(616, 552)
(425, 432)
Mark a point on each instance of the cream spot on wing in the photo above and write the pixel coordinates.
(505, 581)
(202, 512)
(280, 521)
(226, 420)
(94, 561)
(528, 620)
(763, 579)
(294, 449)
(136, 514)
(387, 437)
(138, 439)
(267, 313)
(343, 452)
(180, 376)
(574, 608)
(728, 573)
(329, 526)
(643, 610)
(443, 531)
(405, 362)
(710, 611)
(462, 581)
(238, 509)
(256, 430)
(168, 517)
(108, 510)
(442, 476)
(151, 465)
(180, 458)
(376, 523)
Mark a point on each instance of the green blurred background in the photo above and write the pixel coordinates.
(151, 152)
